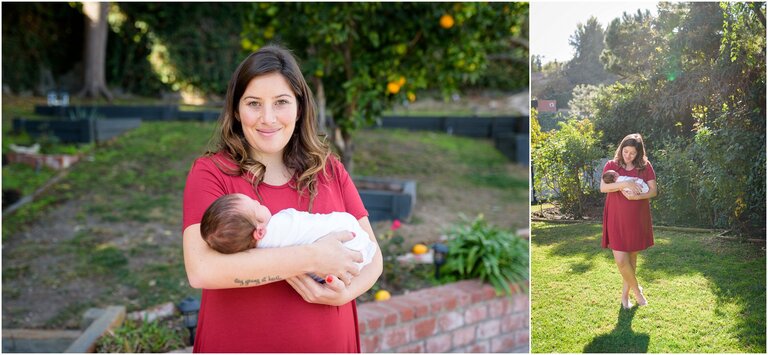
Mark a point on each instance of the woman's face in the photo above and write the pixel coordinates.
(628, 153)
(268, 111)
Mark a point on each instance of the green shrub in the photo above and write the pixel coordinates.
(141, 337)
(564, 164)
(477, 250)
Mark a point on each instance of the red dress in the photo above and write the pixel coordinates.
(271, 318)
(627, 224)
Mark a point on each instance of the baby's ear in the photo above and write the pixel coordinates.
(259, 232)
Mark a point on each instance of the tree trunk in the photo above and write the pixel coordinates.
(95, 83)
(322, 121)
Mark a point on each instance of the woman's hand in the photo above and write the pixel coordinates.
(630, 195)
(333, 293)
(333, 258)
(632, 186)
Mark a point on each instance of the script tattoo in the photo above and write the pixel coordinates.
(256, 282)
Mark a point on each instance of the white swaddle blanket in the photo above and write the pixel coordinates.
(291, 227)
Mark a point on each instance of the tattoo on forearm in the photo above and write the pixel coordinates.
(256, 282)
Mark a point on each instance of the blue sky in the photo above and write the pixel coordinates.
(553, 22)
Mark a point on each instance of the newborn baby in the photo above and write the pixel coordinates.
(236, 222)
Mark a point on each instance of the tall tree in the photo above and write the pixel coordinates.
(95, 81)
(585, 66)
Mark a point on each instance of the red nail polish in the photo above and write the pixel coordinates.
(353, 234)
(329, 279)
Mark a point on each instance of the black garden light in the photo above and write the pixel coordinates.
(440, 256)
(189, 308)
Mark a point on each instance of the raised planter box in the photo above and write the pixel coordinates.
(149, 113)
(515, 146)
(477, 127)
(387, 199)
(198, 115)
(76, 131)
(462, 317)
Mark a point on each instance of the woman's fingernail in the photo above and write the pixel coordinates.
(353, 234)
(329, 279)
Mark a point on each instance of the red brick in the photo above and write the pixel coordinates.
(439, 344)
(522, 337)
(404, 311)
(387, 314)
(424, 328)
(513, 322)
(520, 303)
(499, 306)
(475, 313)
(450, 321)
(488, 329)
(504, 343)
(394, 337)
(370, 316)
(484, 293)
(480, 347)
(411, 348)
(370, 343)
(361, 327)
(463, 336)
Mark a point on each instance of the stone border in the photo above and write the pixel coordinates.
(111, 318)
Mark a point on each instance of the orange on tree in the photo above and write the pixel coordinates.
(393, 88)
(446, 21)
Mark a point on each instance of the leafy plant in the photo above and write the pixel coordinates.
(479, 250)
(565, 163)
(141, 337)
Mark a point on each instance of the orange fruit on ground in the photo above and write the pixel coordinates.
(446, 21)
(419, 249)
(393, 88)
(382, 295)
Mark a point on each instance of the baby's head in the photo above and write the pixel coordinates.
(234, 223)
(610, 176)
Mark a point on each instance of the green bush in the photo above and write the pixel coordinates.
(564, 163)
(141, 337)
(477, 250)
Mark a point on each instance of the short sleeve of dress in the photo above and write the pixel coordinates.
(352, 201)
(648, 173)
(610, 165)
(203, 186)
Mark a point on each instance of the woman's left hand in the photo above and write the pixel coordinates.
(332, 293)
(630, 195)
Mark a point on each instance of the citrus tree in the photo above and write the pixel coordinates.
(362, 57)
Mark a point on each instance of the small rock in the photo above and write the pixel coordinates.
(158, 312)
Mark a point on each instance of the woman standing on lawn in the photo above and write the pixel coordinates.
(627, 225)
(262, 300)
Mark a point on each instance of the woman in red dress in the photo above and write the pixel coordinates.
(627, 225)
(266, 146)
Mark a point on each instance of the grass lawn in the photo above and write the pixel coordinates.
(705, 295)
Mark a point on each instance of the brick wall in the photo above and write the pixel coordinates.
(465, 317)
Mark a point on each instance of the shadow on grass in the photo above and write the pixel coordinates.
(621, 339)
(736, 271)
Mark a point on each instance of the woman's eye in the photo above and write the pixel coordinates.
(282, 102)
(254, 103)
